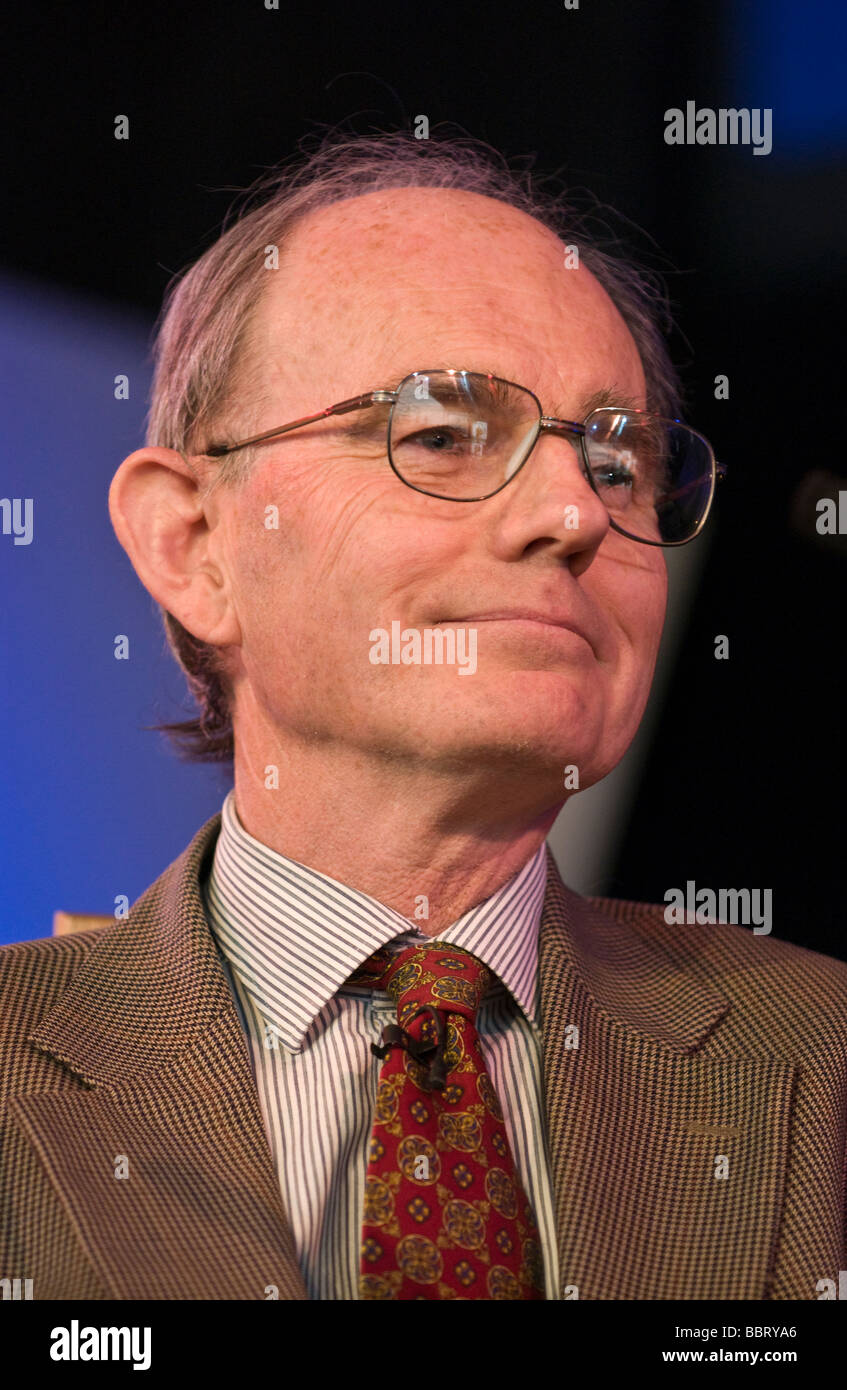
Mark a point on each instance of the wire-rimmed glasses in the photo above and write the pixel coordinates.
(463, 436)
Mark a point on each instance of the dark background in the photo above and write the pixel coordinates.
(744, 783)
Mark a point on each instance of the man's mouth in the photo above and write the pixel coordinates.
(522, 615)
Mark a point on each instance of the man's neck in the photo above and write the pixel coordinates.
(427, 848)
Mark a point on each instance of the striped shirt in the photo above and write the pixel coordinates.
(289, 938)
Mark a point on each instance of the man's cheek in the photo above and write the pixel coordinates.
(340, 549)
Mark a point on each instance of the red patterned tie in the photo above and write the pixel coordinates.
(445, 1215)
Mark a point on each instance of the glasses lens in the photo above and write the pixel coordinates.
(655, 477)
(461, 435)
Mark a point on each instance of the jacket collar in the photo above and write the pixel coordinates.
(630, 979)
(151, 987)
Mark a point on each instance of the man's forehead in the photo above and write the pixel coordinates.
(417, 278)
(403, 221)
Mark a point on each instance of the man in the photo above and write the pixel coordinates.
(414, 621)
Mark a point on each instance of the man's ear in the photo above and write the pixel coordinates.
(164, 526)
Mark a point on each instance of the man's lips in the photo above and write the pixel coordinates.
(531, 615)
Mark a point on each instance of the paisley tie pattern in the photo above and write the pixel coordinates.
(445, 1214)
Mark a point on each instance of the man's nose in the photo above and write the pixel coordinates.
(551, 503)
(556, 464)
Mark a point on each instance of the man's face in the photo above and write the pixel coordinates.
(368, 291)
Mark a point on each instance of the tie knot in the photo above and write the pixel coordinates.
(436, 975)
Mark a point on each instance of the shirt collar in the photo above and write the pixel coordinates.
(293, 935)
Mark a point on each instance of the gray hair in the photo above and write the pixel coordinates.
(203, 330)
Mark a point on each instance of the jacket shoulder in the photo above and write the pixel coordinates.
(37, 973)
(34, 975)
(788, 986)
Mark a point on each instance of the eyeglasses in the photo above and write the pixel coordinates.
(464, 436)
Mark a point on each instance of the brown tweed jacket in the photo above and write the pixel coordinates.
(693, 1042)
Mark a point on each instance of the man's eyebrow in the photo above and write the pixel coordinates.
(498, 396)
(392, 378)
(609, 396)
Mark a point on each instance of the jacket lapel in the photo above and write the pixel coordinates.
(638, 1114)
(149, 1027)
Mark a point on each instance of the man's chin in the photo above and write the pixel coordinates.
(550, 712)
(536, 723)
(530, 743)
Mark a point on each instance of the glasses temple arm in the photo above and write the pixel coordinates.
(341, 408)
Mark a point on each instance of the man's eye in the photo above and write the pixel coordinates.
(435, 440)
(616, 475)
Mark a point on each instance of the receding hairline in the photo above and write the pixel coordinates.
(423, 192)
(488, 213)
